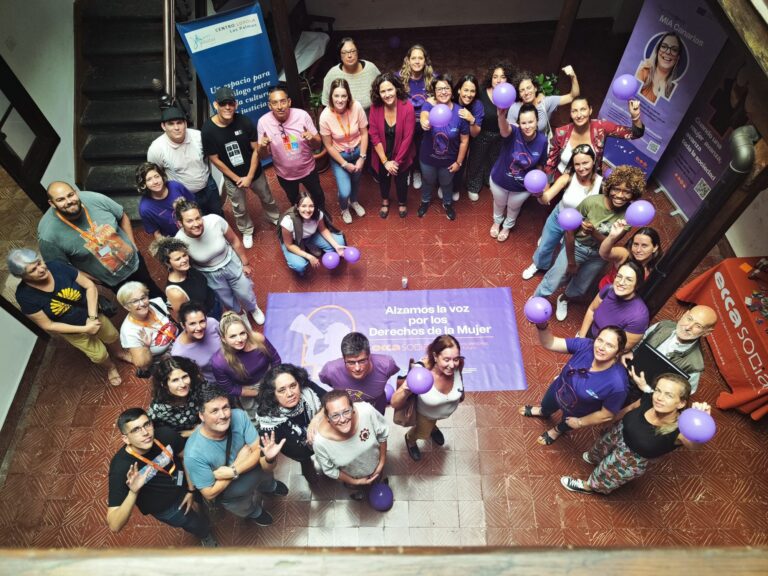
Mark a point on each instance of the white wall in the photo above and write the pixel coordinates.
(37, 42)
(16, 343)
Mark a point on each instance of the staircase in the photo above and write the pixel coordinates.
(120, 53)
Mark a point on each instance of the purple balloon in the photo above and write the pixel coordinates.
(607, 172)
(380, 497)
(331, 260)
(388, 391)
(696, 425)
(640, 213)
(440, 116)
(625, 87)
(569, 219)
(504, 95)
(535, 181)
(394, 42)
(537, 309)
(419, 380)
(351, 254)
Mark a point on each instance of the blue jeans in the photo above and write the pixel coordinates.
(209, 199)
(347, 183)
(298, 263)
(432, 175)
(194, 523)
(550, 405)
(234, 289)
(242, 497)
(590, 266)
(551, 238)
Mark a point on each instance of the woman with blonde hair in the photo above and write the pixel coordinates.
(244, 359)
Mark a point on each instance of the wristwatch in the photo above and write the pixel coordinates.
(236, 473)
(363, 156)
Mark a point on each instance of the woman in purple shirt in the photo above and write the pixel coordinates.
(443, 149)
(244, 358)
(157, 198)
(471, 109)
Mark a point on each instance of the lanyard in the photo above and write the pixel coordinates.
(164, 450)
(346, 129)
(90, 235)
(171, 336)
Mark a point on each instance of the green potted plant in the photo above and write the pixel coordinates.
(314, 105)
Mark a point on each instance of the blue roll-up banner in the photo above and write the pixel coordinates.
(232, 49)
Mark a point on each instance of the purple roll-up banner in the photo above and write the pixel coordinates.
(307, 329)
(671, 49)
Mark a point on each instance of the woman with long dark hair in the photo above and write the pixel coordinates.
(642, 248)
(176, 386)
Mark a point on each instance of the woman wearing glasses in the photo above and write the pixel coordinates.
(351, 442)
(659, 73)
(580, 259)
(445, 361)
(359, 74)
(591, 387)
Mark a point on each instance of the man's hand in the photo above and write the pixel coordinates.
(244, 182)
(187, 502)
(135, 480)
(92, 326)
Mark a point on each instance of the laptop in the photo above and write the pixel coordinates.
(649, 360)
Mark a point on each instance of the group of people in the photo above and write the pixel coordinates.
(225, 405)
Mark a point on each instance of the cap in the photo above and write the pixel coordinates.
(225, 94)
(172, 113)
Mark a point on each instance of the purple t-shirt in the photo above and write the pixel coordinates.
(631, 315)
(158, 214)
(440, 146)
(201, 351)
(371, 389)
(255, 362)
(584, 393)
(517, 158)
(477, 110)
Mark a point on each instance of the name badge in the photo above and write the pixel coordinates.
(105, 251)
(180, 478)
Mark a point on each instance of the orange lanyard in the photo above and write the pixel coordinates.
(92, 237)
(171, 336)
(164, 450)
(346, 130)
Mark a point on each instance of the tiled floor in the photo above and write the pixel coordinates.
(490, 485)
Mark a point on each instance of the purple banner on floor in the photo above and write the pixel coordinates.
(307, 329)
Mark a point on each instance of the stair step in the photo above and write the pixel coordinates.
(124, 146)
(123, 75)
(116, 181)
(132, 10)
(131, 38)
(107, 113)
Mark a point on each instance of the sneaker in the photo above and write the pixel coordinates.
(248, 240)
(359, 210)
(423, 207)
(450, 212)
(437, 436)
(455, 196)
(439, 192)
(574, 484)
(474, 196)
(585, 457)
(561, 313)
(416, 180)
(280, 489)
(346, 217)
(209, 542)
(263, 519)
(530, 272)
(258, 316)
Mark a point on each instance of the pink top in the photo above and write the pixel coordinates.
(344, 129)
(291, 154)
(405, 125)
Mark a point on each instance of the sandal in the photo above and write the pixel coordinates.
(402, 210)
(495, 230)
(113, 377)
(527, 411)
(384, 210)
(546, 440)
(503, 234)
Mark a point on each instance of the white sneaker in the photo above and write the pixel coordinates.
(248, 240)
(561, 312)
(439, 192)
(258, 316)
(346, 216)
(474, 196)
(455, 196)
(529, 272)
(416, 180)
(246, 320)
(359, 210)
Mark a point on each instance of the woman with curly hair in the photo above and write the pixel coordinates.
(286, 403)
(659, 73)
(391, 124)
(580, 259)
(157, 198)
(185, 283)
(176, 386)
(417, 76)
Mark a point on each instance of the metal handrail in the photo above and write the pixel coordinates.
(169, 48)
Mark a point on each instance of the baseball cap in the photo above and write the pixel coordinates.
(172, 113)
(225, 94)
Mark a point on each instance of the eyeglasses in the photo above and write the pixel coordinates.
(146, 426)
(348, 52)
(669, 48)
(360, 362)
(443, 89)
(344, 414)
(137, 301)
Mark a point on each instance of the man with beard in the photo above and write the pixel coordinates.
(94, 234)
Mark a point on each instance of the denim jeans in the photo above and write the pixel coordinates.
(551, 238)
(550, 405)
(509, 201)
(209, 199)
(298, 263)
(234, 289)
(347, 183)
(432, 175)
(194, 523)
(242, 497)
(590, 266)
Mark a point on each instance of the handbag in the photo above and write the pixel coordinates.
(107, 306)
(406, 414)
